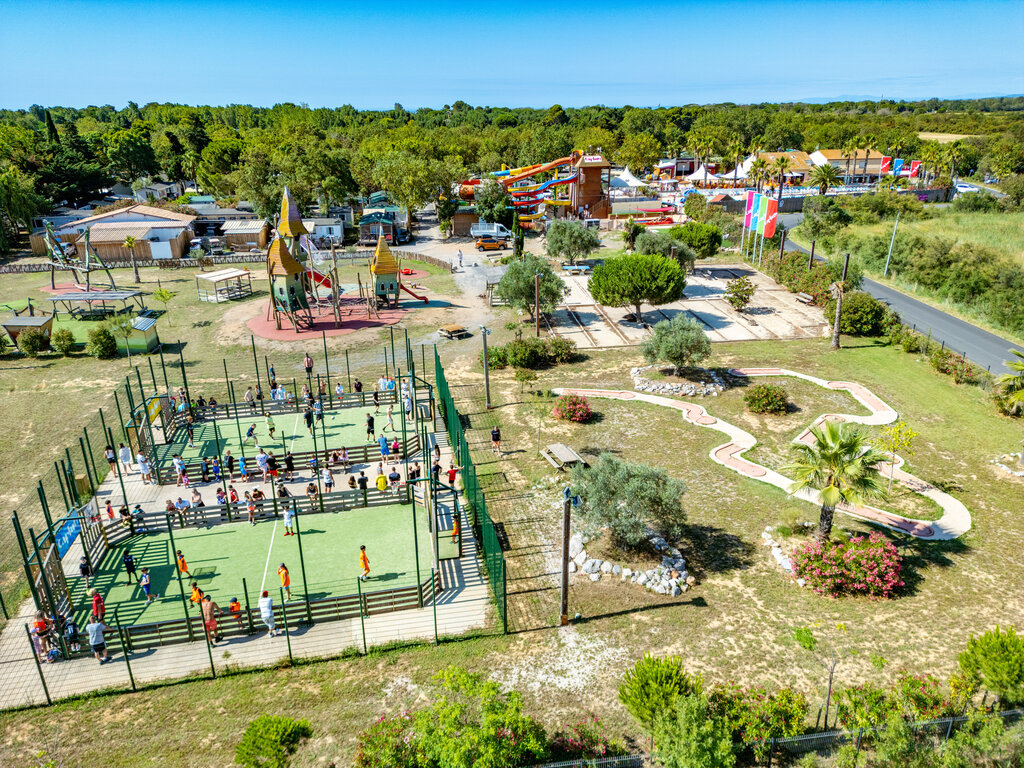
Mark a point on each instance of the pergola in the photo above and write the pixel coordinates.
(224, 285)
(92, 298)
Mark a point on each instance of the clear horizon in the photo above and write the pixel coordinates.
(331, 54)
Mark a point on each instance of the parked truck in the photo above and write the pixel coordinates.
(497, 231)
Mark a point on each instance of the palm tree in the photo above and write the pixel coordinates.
(735, 152)
(850, 150)
(824, 177)
(781, 166)
(701, 147)
(842, 465)
(930, 159)
(759, 172)
(868, 141)
(1012, 384)
(954, 154)
(129, 243)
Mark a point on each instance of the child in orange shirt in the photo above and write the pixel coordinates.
(235, 609)
(286, 581)
(182, 565)
(364, 562)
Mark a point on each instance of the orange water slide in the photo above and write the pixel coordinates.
(510, 180)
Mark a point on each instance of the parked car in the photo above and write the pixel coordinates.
(489, 244)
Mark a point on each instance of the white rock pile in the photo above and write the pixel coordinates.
(670, 578)
(1011, 460)
(784, 560)
(642, 384)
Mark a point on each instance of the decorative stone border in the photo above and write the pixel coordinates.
(670, 578)
(643, 384)
(1008, 468)
(784, 561)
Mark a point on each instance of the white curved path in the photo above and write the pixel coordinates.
(955, 520)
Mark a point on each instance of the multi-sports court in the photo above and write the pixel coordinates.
(228, 559)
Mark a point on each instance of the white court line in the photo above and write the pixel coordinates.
(269, 550)
(295, 430)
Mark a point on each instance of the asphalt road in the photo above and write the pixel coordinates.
(981, 347)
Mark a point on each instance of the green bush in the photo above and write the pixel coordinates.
(695, 207)
(995, 660)
(767, 398)
(862, 315)
(975, 202)
(755, 715)
(688, 735)
(31, 341)
(101, 343)
(531, 352)
(705, 239)
(584, 739)
(389, 743)
(63, 341)
(652, 686)
(862, 706)
(4, 343)
(561, 350)
(269, 741)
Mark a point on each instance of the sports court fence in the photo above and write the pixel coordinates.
(476, 502)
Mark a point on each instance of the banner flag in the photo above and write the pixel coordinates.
(897, 166)
(769, 224)
(915, 168)
(755, 207)
(762, 214)
(749, 209)
(884, 169)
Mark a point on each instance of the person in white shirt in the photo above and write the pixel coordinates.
(339, 390)
(124, 453)
(147, 478)
(266, 606)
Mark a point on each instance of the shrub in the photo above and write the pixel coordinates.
(269, 741)
(996, 661)
(862, 315)
(920, 697)
(695, 206)
(584, 739)
(63, 341)
(862, 706)
(868, 566)
(680, 341)
(525, 376)
(572, 408)
(31, 341)
(4, 343)
(705, 239)
(957, 366)
(560, 350)
(101, 343)
(975, 202)
(739, 292)
(530, 352)
(766, 398)
(652, 686)
(690, 736)
(388, 743)
(754, 715)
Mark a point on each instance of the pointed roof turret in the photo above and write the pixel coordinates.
(290, 222)
(383, 262)
(280, 260)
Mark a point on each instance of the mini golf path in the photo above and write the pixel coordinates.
(955, 520)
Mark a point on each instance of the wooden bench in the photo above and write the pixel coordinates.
(805, 298)
(561, 456)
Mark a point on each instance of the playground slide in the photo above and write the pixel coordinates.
(319, 278)
(415, 296)
(542, 186)
(510, 180)
(511, 171)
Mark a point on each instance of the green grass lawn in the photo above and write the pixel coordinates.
(219, 558)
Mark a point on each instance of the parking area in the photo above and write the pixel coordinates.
(773, 313)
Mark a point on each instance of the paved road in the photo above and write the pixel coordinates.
(980, 346)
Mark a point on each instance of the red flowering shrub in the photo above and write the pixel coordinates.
(572, 408)
(755, 715)
(390, 742)
(584, 739)
(922, 697)
(861, 566)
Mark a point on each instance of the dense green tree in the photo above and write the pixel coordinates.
(130, 154)
(651, 687)
(517, 285)
(995, 661)
(680, 341)
(665, 244)
(638, 152)
(635, 279)
(18, 204)
(570, 240)
(492, 203)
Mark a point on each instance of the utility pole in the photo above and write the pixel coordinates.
(487, 374)
(536, 300)
(885, 272)
(568, 502)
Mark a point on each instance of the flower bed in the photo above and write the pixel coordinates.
(572, 408)
(864, 565)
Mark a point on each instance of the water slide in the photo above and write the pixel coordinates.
(542, 186)
(508, 181)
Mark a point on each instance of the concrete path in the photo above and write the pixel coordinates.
(955, 520)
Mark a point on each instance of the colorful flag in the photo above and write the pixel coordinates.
(769, 224)
(897, 166)
(755, 206)
(915, 168)
(762, 214)
(885, 166)
(749, 209)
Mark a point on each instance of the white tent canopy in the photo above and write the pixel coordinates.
(699, 174)
(627, 179)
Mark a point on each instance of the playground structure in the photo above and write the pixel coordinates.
(387, 276)
(584, 176)
(24, 319)
(61, 259)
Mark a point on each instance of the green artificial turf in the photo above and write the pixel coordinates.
(220, 557)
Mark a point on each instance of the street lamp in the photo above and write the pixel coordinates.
(487, 375)
(568, 501)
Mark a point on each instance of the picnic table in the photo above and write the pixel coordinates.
(576, 269)
(561, 456)
(453, 331)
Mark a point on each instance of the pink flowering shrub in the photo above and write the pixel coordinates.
(389, 743)
(572, 408)
(583, 739)
(864, 565)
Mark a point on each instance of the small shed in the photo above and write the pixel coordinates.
(464, 218)
(15, 325)
(224, 285)
(246, 234)
(143, 338)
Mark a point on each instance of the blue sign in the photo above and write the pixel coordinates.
(67, 533)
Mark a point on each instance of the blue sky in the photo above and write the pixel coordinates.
(374, 54)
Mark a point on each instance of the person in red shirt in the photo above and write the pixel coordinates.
(452, 472)
(99, 608)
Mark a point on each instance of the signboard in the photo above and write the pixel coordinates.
(153, 409)
(68, 530)
(593, 159)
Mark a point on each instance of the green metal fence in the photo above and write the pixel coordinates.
(476, 502)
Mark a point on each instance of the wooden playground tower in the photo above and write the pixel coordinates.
(290, 286)
(59, 259)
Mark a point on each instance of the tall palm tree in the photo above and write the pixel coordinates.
(930, 159)
(841, 465)
(781, 166)
(758, 172)
(869, 140)
(735, 152)
(701, 146)
(824, 177)
(954, 154)
(129, 243)
(1012, 384)
(850, 150)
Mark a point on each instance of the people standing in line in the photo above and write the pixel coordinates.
(96, 630)
(382, 483)
(266, 608)
(111, 457)
(124, 453)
